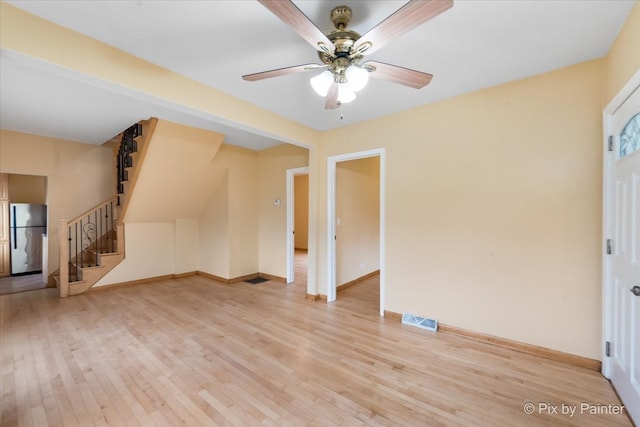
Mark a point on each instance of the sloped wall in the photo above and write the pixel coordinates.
(172, 180)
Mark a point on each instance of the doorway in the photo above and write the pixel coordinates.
(295, 215)
(23, 241)
(334, 222)
(621, 265)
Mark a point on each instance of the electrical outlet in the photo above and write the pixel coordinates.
(361, 266)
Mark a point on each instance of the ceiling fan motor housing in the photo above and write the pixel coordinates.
(343, 40)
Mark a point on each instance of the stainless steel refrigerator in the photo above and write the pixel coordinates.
(27, 222)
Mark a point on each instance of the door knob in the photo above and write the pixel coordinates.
(636, 291)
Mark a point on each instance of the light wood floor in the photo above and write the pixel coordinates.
(12, 285)
(195, 352)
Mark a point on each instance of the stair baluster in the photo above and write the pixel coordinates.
(89, 244)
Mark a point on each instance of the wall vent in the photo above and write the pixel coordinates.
(420, 322)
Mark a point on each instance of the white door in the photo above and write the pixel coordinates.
(624, 308)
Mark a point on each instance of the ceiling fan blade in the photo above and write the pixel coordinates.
(281, 72)
(396, 74)
(331, 101)
(298, 21)
(406, 18)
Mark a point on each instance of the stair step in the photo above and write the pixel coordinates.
(96, 258)
(125, 187)
(94, 272)
(76, 288)
(134, 159)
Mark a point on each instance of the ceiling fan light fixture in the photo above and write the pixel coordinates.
(341, 50)
(357, 77)
(322, 82)
(345, 94)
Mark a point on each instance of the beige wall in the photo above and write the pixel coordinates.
(156, 249)
(243, 211)
(186, 245)
(272, 185)
(623, 59)
(150, 252)
(238, 212)
(172, 179)
(493, 206)
(241, 230)
(27, 189)
(357, 218)
(301, 211)
(228, 227)
(66, 165)
(213, 231)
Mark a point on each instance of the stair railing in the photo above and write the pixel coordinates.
(98, 230)
(83, 238)
(127, 147)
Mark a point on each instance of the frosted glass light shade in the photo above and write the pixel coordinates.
(345, 94)
(357, 77)
(322, 82)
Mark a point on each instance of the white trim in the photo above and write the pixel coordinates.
(331, 219)
(291, 173)
(607, 214)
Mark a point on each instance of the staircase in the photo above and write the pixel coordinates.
(92, 244)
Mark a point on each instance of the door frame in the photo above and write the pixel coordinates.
(291, 250)
(331, 219)
(608, 215)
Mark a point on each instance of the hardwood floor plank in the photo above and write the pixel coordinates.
(228, 415)
(192, 351)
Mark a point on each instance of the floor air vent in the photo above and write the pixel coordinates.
(257, 280)
(420, 322)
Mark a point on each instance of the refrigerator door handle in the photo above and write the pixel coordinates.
(15, 230)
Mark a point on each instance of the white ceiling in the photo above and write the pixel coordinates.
(474, 45)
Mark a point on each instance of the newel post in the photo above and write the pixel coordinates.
(63, 234)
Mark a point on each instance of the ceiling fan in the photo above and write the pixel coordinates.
(342, 49)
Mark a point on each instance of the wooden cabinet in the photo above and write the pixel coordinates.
(4, 186)
(5, 268)
(5, 245)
